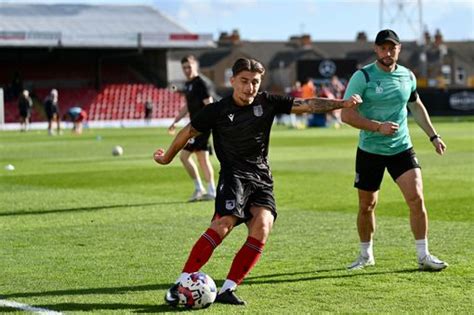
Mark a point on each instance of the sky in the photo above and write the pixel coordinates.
(277, 20)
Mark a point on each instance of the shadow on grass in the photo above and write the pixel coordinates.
(85, 209)
(91, 307)
(160, 307)
(88, 291)
(132, 308)
(143, 308)
(320, 274)
(275, 275)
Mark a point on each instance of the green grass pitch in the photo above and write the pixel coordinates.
(83, 231)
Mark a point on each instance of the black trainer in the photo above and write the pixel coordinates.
(171, 296)
(229, 297)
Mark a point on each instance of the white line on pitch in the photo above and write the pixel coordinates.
(27, 308)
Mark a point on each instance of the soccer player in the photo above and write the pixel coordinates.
(240, 127)
(51, 108)
(77, 115)
(197, 95)
(387, 89)
(25, 104)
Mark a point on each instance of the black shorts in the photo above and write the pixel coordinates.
(51, 111)
(199, 143)
(371, 167)
(235, 196)
(25, 113)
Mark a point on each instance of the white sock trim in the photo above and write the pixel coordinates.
(182, 277)
(422, 248)
(367, 249)
(198, 184)
(211, 189)
(228, 284)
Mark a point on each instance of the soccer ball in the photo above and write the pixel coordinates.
(198, 290)
(117, 150)
(9, 167)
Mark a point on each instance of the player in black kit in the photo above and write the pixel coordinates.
(197, 93)
(240, 127)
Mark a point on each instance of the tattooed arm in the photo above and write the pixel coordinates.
(323, 105)
(165, 157)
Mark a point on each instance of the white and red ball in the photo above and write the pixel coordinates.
(198, 290)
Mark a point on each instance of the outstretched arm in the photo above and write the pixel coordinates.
(322, 105)
(165, 157)
(423, 120)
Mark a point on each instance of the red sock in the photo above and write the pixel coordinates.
(245, 259)
(202, 251)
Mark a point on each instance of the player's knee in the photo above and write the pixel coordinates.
(261, 234)
(261, 227)
(367, 206)
(223, 226)
(266, 229)
(415, 202)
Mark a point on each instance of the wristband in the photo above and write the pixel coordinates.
(435, 137)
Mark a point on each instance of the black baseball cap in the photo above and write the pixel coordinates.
(387, 35)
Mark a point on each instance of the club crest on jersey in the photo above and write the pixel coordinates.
(379, 88)
(230, 204)
(258, 110)
(231, 117)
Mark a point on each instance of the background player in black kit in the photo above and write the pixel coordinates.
(198, 95)
(240, 127)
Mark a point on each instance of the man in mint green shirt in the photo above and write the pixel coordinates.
(388, 90)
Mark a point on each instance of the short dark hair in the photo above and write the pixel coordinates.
(246, 64)
(188, 58)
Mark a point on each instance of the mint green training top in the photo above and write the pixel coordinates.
(385, 97)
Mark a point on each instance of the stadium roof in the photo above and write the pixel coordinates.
(79, 25)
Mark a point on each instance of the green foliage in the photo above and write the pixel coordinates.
(82, 230)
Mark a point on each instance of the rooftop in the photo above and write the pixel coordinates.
(80, 25)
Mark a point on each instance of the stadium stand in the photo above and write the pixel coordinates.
(107, 59)
(126, 101)
(113, 102)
